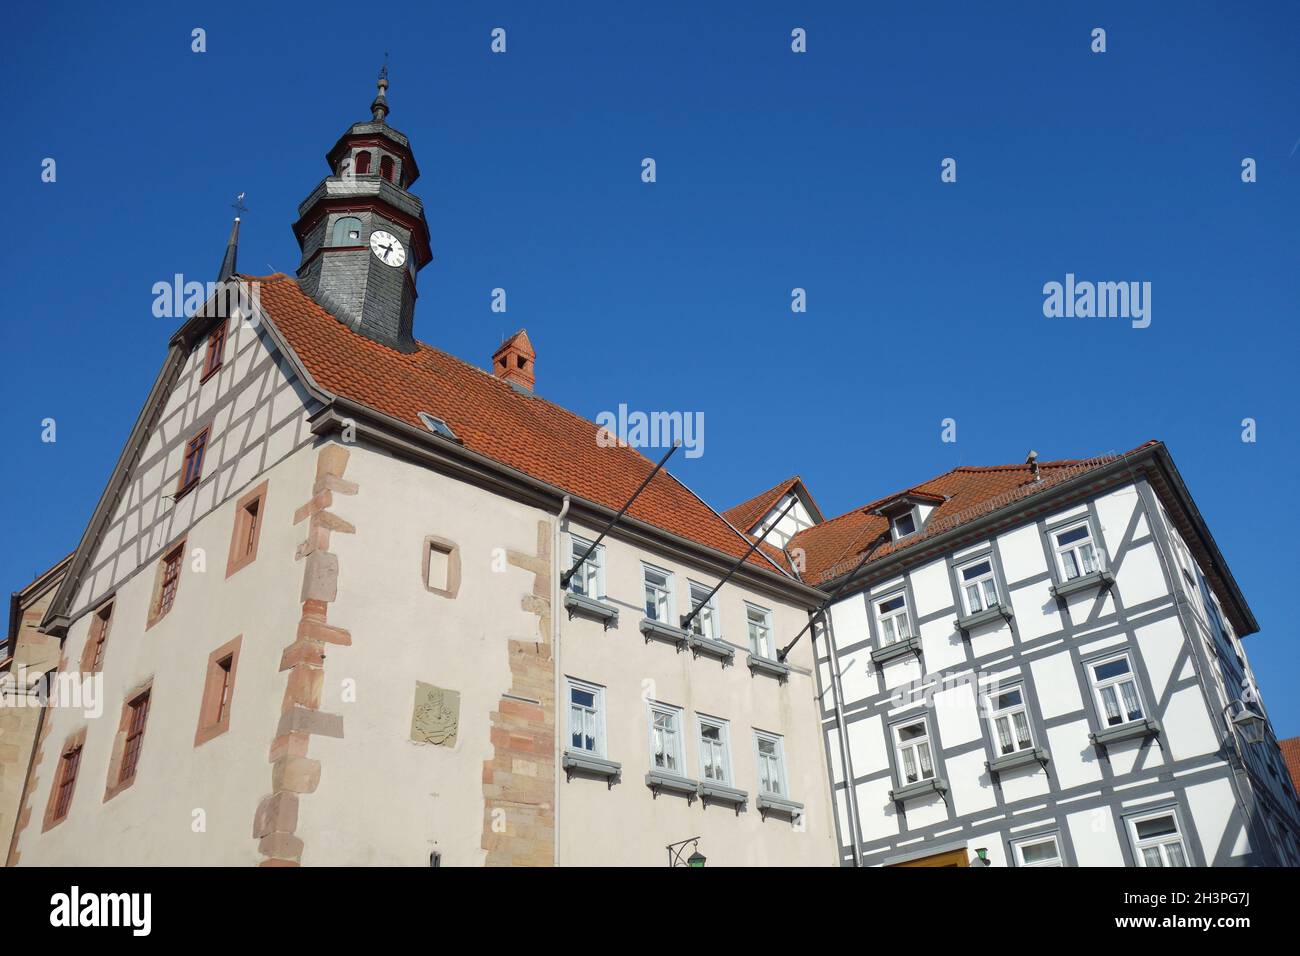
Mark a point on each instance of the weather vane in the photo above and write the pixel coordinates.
(383, 70)
(238, 204)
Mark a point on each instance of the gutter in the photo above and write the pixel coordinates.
(555, 655)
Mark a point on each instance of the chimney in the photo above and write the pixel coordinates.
(514, 360)
(1032, 462)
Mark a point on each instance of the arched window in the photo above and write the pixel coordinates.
(363, 163)
(347, 232)
(386, 167)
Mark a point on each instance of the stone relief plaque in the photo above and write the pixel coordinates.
(436, 717)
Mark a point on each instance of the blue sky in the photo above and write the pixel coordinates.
(775, 171)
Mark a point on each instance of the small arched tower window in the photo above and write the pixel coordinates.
(347, 232)
(362, 165)
(386, 167)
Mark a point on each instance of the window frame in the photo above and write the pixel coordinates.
(668, 589)
(63, 791)
(1090, 538)
(598, 711)
(723, 745)
(677, 714)
(218, 699)
(778, 759)
(914, 514)
(1018, 845)
(157, 608)
(1098, 685)
(768, 651)
(101, 628)
(991, 577)
(994, 713)
(1138, 844)
(899, 748)
(246, 535)
(195, 448)
(880, 617)
(214, 357)
(578, 546)
(708, 611)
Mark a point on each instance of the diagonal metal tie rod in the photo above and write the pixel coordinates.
(812, 619)
(567, 575)
(686, 621)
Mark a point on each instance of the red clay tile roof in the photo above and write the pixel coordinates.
(834, 547)
(747, 514)
(1291, 756)
(524, 432)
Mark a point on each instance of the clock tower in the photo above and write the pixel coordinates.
(363, 234)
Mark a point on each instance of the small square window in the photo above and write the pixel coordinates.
(437, 426)
(1157, 840)
(586, 717)
(715, 751)
(892, 620)
(979, 587)
(1116, 689)
(589, 579)
(905, 524)
(771, 763)
(1076, 555)
(666, 750)
(1038, 851)
(658, 594)
(912, 745)
(759, 622)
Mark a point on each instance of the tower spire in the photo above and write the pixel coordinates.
(379, 108)
(232, 245)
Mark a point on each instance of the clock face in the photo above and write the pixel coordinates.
(388, 248)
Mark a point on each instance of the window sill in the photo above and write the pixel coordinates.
(662, 631)
(909, 645)
(1129, 731)
(210, 373)
(721, 793)
(183, 491)
(658, 780)
(771, 803)
(766, 665)
(919, 789)
(971, 621)
(1021, 758)
(1098, 579)
(707, 645)
(598, 610)
(575, 761)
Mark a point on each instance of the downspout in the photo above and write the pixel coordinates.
(556, 597)
(837, 695)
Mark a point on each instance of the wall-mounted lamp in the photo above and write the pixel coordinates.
(695, 860)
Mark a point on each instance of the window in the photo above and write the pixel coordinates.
(1038, 851)
(586, 717)
(250, 515)
(192, 468)
(891, 617)
(705, 624)
(347, 232)
(771, 763)
(589, 579)
(905, 524)
(92, 659)
(138, 715)
(658, 594)
(1075, 551)
(715, 751)
(168, 579)
(978, 586)
(440, 569)
(1157, 841)
(912, 741)
(666, 739)
(437, 426)
(386, 167)
(1010, 721)
(759, 621)
(1117, 692)
(218, 692)
(68, 767)
(216, 349)
(362, 164)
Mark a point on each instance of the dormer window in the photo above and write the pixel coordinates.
(904, 525)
